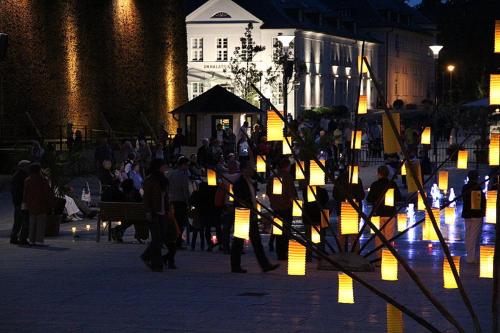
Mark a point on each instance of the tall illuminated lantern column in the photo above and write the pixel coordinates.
(288, 64)
(435, 53)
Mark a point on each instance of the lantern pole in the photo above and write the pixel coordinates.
(446, 314)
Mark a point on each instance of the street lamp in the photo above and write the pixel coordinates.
(450, 69)
(435, 52)
(287, 61)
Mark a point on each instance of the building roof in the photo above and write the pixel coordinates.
(217, 100)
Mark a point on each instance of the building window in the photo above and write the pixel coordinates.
(196, 49)
(197, 88)
(247, 49)
(277, 98)
(221, 15)
(190, 130)
(221, 49)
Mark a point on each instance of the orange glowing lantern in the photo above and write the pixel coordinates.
(211, 177)
(241, 222)
(491, 207)
(274, 126)
(315, 236)
(494, 89)
(362, 68)
(494, 149)
(497, 36)
(349, 219)
(443, 181)
(425, 138)
(463, 156)
(277, 186)
(402, 222)
(353, 174)
(259, 209)
(403, 169)
(449, 215)
(394, 319)
(356, 139)
(363, 104)
(311, 193)
(316, 174)
(297, 208)
(375, 221)
(389, 197)
(448, 278)
(325, 218)
(261, 164)
(231, 193)
(299, 170)
(420, 202)
(428, 231)
(486, 255)
(415, 167)
(391, 143)
(277, 230)
(346, 293)
(296, 258)
(287, 145)
(389, 268)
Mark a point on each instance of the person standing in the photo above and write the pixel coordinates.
(282, 205)
(69, 136)
(245, 192)
(39, 200)
(376, 197)
(203, 154)
(179, 195)
(473, 212)
(156, 204)
(20, 228)
(178, 142)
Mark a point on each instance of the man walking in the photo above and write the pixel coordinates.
(245, 191)
(20, 228)
(474, 210)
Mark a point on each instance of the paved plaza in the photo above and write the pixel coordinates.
(78, 285)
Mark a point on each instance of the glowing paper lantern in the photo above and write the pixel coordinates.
(261, 164)
(403, 169)
(402, 222)
(428, 231)
(389, 197)
(356, 136)
(315, 236)
(297, 208)
(363, 104)
(391, 143)
(311, 193)
(277, 186)
(394, 319)
(491, 207)
(448, 278)
(325, 218)
(296, 258)
(420, 202)
(449, 215)
(475, 200)
(376, 221)
(389, 268)
(316, 174)
(73, 230)
(486, 254)
(425, 139)
(299, 170)
(346, 293)
(443, 181)
(362, 68)
(259, 209)
(231, 193)
(495, 89)
(287, 143)
(349, 219)
(497, 36)
(353, 174)
(241, 222)
(211, 177)
(274, 126)
(277, 231)
(410, 180)
(462, 159)
(494, 149)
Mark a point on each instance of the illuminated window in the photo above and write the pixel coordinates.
(196, 49)
(221, 49)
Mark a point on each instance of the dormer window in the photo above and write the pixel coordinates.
(220, 15)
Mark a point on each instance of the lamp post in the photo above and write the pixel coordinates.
(287, 61)
(450, 69)
(435, 52)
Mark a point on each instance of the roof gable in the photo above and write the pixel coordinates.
(221, 11)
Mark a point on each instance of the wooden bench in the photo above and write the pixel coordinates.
(118, 211)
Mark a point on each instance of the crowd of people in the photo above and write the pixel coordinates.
(181, 205)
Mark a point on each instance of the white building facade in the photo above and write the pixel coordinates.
(328, 78)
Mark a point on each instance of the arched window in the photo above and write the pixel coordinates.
(221, 15)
